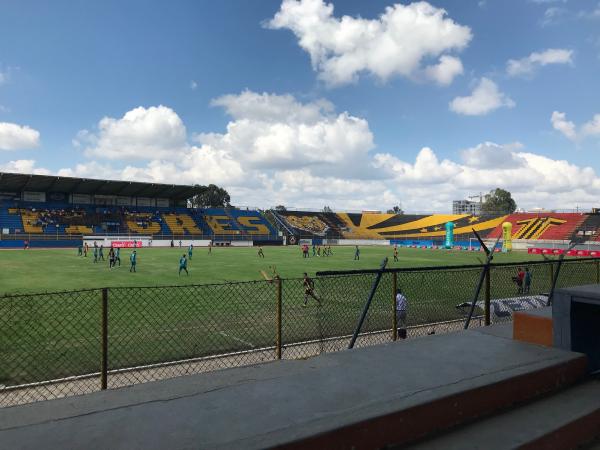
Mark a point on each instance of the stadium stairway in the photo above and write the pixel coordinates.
(565, 419)
(383, 396)
(279, 224)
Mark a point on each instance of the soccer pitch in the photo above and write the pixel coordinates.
(223, 307)
(27, 271)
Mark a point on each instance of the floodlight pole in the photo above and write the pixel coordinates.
(555, 277)
(482, 276)
(368, 304)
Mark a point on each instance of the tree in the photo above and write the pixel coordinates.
(396, 210)
(498, 201)
(327, 209)
(280, 208)
(211, 196)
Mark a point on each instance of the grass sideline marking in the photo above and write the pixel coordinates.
(222, 333)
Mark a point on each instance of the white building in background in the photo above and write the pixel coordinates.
(466, 207)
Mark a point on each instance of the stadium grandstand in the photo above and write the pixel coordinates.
(53, 211)
(429, 230)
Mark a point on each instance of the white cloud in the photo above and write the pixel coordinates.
(444, 72)
(268, 135)
(277, 149)
(590, 14)
(272, 108)
(277, 131)
(553, 15)
(489, 155)
(559, 122)
(193, 85)
(142, 133)
(18, 137)
(526, 66)
(485, 98)
(403, 41)
(569, 129)
(532, 178)
(591, 128)
(23, 166)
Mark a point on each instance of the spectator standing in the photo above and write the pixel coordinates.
(527, 280)
(401, 307)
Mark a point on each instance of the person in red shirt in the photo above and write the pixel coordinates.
(520, 279)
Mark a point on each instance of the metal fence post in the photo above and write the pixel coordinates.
(394, 318)
(488, 297)
(278, 319)
(597, 271)
(104, 364)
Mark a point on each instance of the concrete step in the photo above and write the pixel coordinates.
(364, 398)
(564, 420)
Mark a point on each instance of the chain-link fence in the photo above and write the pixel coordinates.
(68, 343)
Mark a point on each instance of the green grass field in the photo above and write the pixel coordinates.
(223, 306)
(53, 270)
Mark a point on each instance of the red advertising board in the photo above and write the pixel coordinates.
(126, 244)
(560, 251)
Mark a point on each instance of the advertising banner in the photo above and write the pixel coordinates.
(126, 244)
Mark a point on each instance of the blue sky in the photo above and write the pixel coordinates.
(307, 103)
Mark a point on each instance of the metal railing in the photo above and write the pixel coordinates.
(66, 343)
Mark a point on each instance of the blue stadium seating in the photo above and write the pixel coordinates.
(52, 218)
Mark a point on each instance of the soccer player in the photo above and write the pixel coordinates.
(183, 265)
(210, 247)
(395, 253)
(86, 249)
(190, 250)
(118, 256)
(80, 250)
(319, 251)
(133, 260)
(314, 250)
(260, 252)
(111, 258)
(309, 290)
(356, 253)
(95, 253)
(101, 253)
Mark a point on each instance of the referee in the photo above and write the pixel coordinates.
(401, 304)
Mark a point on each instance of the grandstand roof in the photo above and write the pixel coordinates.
(16, 182)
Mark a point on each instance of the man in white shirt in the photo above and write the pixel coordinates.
(401, 304)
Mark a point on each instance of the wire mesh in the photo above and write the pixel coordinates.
(162, 332)
(51, 344)
(325, 323)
